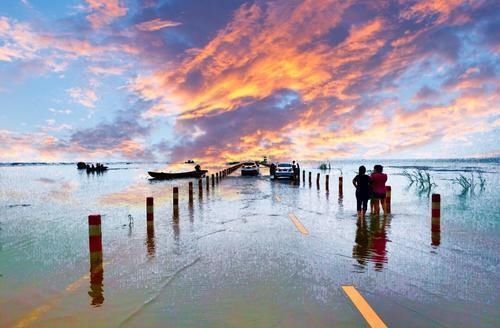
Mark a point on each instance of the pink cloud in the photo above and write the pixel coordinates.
(155, 25)
(103, 12)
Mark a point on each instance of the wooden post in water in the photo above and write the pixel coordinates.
(207, 182)
(388, 192)
(310, 178)
(149, 211)
(436, 220)
(217, 177)
(190, 192)
(341, 186)
(200, 187)
(96, 267)
(304, 176)
(176, 202)
(327, 182)
(317, 180)
(213, 180)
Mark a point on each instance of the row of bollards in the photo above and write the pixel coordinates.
(95, 234)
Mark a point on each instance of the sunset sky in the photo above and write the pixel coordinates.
(229, 79)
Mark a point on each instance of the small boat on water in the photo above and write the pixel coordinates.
(97, 169)
(178, 175)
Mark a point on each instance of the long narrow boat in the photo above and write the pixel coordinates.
(178, 175)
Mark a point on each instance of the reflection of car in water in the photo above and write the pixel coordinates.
(250, 168)
(284, 170)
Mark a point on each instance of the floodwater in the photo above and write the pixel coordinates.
(236, 258)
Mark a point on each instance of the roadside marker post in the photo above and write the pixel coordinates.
(436, 220)
(149, 210)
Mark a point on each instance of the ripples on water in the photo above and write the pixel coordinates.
(233, 257)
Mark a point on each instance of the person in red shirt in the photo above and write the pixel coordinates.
(378, 188)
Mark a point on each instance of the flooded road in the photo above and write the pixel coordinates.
(250, 252)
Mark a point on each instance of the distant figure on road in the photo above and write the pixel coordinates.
(294, 168)
(272, 170)
(362, 183)
(378, 188)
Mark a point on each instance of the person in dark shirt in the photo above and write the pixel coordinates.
(272, 170)
(362, 183)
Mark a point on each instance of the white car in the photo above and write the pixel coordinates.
(284, 170)
(250, 168)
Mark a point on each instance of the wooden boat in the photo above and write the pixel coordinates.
(178, 175)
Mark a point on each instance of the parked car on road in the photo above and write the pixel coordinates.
(250, 168)
(284, 170)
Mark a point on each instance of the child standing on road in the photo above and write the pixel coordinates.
(362, 182)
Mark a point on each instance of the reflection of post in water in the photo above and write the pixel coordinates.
(96, 291)
(176, 228)
(96, 268)
(150, 240)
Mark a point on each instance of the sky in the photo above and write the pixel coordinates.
(222, 80)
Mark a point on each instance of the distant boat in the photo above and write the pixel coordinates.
(97, 169)
(179, 175)
(81, 165)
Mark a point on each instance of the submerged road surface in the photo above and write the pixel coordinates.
(250, 252)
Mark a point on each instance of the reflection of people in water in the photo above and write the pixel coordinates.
(360, 250)
(370, 242)
(379, 241)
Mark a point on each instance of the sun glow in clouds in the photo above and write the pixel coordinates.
(316, 79)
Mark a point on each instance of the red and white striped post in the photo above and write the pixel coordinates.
(436, 219)
(149, 211)
(95, 237)
(388, 193)
(96, 267)
(190, 188)
(176, 202)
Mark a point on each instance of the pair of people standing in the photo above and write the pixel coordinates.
(370, 187)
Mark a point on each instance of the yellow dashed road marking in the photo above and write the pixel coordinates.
(364, 308)
(298, 224)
